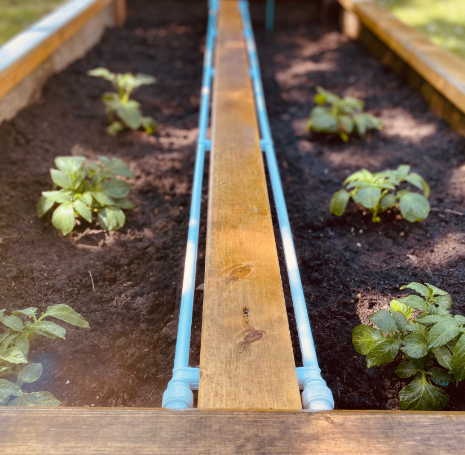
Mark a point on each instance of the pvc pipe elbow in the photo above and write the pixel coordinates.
(178, 395)
(317, 396)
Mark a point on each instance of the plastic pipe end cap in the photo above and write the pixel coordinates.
(317, 396)
(178, 395)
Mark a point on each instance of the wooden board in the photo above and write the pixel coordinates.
(44, 41)
(443, 70)
(68, 431)
(246, 359)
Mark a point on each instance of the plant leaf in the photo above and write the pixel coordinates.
(118, 189)
(401, 321)
(430, 319)
(406, 370)
(111, 218)
(67, 314)
(7, 389)
(125, 204)
(418, 181)
(365, 338)
(83, 210)
(415, 346)
(58, 196)
(443, 356)
(384, 352)
(130, 114)
(339, 202)
(102, 198)
(50, 329)
(399, 307)
(69, 164)
(13, 355)
(41, 399)
(436, 291)
(458, 359)
(441, 377)
(418, 288)
(385, 322)
(445, 301)
(413, 206)
(419, 395)
(61, 179)
(369, 196)
(43, 206)
(443, 332)
(22, 343)
(30, 373)
(115, 128)
(387, 201)
(414, 301)
(31, 311)
(63, 218)
(13, 322)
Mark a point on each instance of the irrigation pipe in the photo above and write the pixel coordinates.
(178, 394)
(316, 395)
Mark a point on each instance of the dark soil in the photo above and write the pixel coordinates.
(350, 267)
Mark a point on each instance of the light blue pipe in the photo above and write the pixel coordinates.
(269, 23)
(178, 394)
(316, 395)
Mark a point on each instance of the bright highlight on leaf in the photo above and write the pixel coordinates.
(431, 342)
(87, 188)
(379, 192)
(343, 116)
(128, 111)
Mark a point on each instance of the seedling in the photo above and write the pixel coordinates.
(87, 187)
(11, 393)
(118, 103)
(344, 116)
(378, 192)
(426, 339)
(14, 350)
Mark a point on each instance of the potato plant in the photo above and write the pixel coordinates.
(87, 188)
(343, 116)
(426, 340)
(379, 192)
(119, 103)
(15, 346)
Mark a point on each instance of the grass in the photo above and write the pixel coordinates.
(16, 15)
(443, 21)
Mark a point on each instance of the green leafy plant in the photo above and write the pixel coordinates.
(426, 339)
(11, 393)
(344, 116)
(87, 187)
(15, 346)
(378, 192)
(119, 103)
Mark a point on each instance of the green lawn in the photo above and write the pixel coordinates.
(16, 15)
(443, 21)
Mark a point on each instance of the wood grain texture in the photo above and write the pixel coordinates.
(246, 359)
(120, 12)
(80, 431)
(22, 67)
(443, 70)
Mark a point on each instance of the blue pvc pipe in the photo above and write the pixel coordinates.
(179, 395)
(316, 395)
(269, 23)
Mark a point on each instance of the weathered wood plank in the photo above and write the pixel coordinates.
(246, 355)
(78, 431)
(37, 46)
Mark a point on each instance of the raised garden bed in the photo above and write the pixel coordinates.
(127, 356)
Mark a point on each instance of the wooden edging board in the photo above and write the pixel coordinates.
(48, 46)
(441, 70)
(79, 431)
(246, 357)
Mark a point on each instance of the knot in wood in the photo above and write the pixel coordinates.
(253, 335)
(239, 272)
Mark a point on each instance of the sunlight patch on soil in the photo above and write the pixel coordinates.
(398, 122)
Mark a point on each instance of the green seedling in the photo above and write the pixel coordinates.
(87, 187)
(119, 103)
(425, 338)
(378, 192)
(15, 342)
(11, 393)
(15, 346)
(343, 116)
